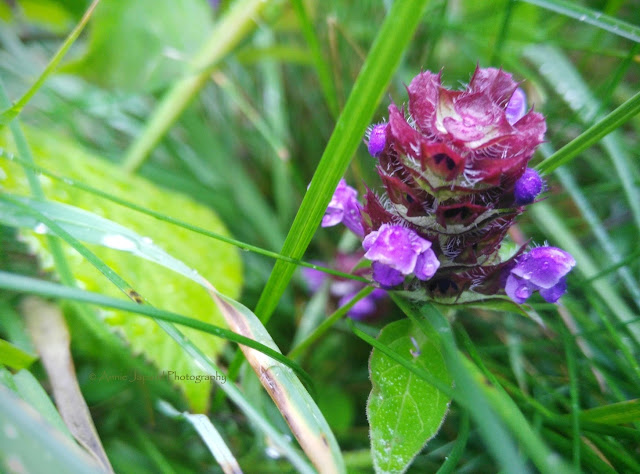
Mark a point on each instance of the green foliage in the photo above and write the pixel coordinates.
(218, 262)
(404, 411)
(154, 35)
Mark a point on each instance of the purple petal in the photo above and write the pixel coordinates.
(423, 97)
(426, 265)
(553, 294)
(395, 246)
(363, 308)
(518, 289)
(385, 275)
(496, 83)
(517, 106)
(544, 266)
(527, 188)
(344, 207)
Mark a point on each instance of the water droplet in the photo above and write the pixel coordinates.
(545, 265)
(119, 242)
(583, 17)
(147, 241)
(40, 228)
(272, 452)
(528, 275)
(68, 181)
(523, 292)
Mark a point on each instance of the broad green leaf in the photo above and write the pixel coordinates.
(404, 411)
(215, 261)
(30, 444)
(157, 35)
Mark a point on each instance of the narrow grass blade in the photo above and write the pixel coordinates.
(382, 61)
(296, 405)
(12, 112)
(14, 357)
(227, 32)
(592, 17)
(554, 226)
(50, 335)
(319, 62)
(305, 419)
(165, 218)
(592, 135)
(614, 414)
(30, 444)
(209, 435)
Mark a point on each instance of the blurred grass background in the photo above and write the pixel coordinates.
(248, 146)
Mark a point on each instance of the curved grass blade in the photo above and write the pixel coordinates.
(12, 112)
(177, 222)
(382, 61)
(227, 32)
(302, 414)
(29, 444)
(209, 435)
(592, 17)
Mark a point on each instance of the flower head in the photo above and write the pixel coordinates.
(528, 186)
(543, 269)
(398, 251)
(344, 207)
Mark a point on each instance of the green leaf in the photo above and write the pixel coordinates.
(215, 261)
(614, 414)
(404, 411)
(157, 35)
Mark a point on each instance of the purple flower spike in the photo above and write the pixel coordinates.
(528, 186)
(377, 139)
(344, 207)
(517, 106)
(543, 269)
(398, 251)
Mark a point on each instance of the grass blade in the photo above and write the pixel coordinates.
(12, 112)
(233, 27)
(592, 17)
(382, 61)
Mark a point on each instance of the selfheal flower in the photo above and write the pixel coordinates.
(377, 139)
(527, 188)
(398, 251)
(365, 307)
(543, 269)
(517, 106)
(344, 207)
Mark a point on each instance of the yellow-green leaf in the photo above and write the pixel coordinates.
(217, 262)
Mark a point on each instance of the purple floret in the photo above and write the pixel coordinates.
(344, 207)
(543, 269)
(398, 251)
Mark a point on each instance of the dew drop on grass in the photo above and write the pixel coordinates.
(118, 242)
(40, 228)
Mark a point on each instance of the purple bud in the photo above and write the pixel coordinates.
(517, 106)
(543, 269)
(393, 247)
(344, 207)
(314, 278)
(377, 139)
(528, 186)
